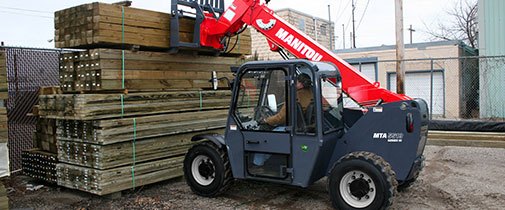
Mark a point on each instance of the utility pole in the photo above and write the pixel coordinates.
(331, 34)
(411, 30)
(343, 36)
(353, 28)
(400, 66)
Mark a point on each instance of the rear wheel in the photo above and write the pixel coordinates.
(207, 169)
(362, 180)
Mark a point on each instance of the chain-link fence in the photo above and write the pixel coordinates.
(455, 88)
(27, 70)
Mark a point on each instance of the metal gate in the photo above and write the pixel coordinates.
(27, 70)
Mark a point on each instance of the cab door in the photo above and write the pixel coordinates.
(263, 92)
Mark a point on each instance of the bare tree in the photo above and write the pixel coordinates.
(463, 25)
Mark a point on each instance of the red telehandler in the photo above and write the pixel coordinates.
(366, 154)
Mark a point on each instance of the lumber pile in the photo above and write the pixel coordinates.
(114, 26)
(108, 69)
(4, 200)
(125, 118)
(39, 164)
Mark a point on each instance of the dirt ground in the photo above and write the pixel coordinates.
(454, 178)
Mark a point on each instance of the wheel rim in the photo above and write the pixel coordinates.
(203, 170)
(357, 189)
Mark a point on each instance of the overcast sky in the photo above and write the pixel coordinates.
(29, 23)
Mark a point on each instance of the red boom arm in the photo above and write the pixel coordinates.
(258, 15)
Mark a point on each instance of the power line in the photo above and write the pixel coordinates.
(363, 15)
(26, 10)
(24, 14)
(343, 11)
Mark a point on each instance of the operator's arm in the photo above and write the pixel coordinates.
(279, 118)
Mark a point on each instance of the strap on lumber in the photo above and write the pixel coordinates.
(201, 100)
(122, 105)
(133, 151)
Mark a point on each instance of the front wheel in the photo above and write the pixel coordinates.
(207, 169)
(362, 180)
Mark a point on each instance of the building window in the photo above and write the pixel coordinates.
(301, 24)
(323, 30)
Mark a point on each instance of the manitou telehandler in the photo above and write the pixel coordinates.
(366, 153)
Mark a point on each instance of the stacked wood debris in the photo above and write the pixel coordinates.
(108, 69)
(40, 165)
(114, 26)
(4, 200)
(125, 117)
(45, 135)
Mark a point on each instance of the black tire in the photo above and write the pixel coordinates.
(362, 180)
(207, 169)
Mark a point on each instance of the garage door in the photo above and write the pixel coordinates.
(368, 69)
(417, 85)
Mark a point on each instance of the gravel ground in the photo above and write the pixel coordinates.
(454, 178)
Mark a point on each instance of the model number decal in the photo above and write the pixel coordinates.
(390, 137)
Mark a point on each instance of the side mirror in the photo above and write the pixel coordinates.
(272, 102)
(213, 80)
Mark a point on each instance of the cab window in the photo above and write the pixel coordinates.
(262, 94)
(332, 104)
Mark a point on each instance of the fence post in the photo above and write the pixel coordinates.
(431, 90)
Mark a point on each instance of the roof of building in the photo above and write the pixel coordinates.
(419, 46)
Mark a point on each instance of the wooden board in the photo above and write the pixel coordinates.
(107, 25)
(3, 125)
(108, 69)
(103, 182)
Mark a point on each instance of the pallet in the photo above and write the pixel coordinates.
(103, 69)
(101, 25)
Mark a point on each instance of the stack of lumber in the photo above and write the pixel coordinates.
(107, 69)
(4, 200)
(45, 135)
(126, 117)
(40, 165)
(3, 75)
(103, 106)
(466, 138)
(103, 25)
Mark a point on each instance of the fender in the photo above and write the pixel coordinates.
(217, 139)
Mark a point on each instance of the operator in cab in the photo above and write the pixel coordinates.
(304, 97)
